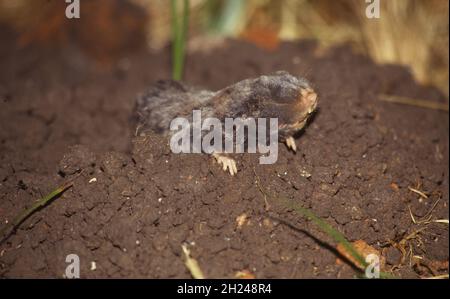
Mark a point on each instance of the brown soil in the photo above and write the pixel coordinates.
(59, 116)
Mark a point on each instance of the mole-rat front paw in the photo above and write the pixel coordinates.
(226, 162)
(290, 143)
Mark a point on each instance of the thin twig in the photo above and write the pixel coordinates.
(192, 264)
(258, 183)
(413, 102)
(422, 194)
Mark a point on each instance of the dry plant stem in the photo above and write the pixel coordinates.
(258, 183)
(413, 102)
(192, 264)
(444, 276)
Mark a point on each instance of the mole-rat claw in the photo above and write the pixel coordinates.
(227, 163)
(290, 142)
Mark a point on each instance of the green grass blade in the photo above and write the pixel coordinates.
(332, 232)
(179, 36)
(8, 229)
(325, 227)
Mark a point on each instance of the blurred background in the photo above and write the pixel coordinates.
(414, 33)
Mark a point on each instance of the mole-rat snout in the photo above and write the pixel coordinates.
(309, 98)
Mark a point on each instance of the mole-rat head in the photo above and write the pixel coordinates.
(291, 99)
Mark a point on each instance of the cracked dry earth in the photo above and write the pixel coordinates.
(135, 203)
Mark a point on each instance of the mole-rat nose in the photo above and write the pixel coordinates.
(310, 98)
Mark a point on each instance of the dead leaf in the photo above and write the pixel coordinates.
(241, 220)
(244, 274)
(363, 249)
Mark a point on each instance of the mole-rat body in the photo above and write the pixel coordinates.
(280, 95)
